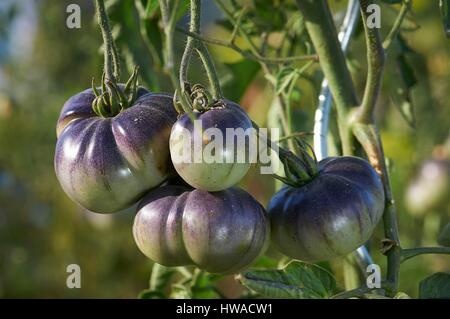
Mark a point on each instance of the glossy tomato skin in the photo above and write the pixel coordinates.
(220, 232)
(204, 173)
(107, 164)
(330, 216)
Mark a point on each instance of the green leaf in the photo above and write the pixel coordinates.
(203, 287)
(437, 286)
(406, 71)
(444, 237)
(182, 9)
(444, 5)
(125, 17)
(265, 262)
(401, 295)
(284, 78)
(240, 75)
(180, 292)
(267, 15)
(151, 294)
(401, 97)
(298, 280)
(403, 103)
(151, 8)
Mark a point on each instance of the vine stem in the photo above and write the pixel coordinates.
(413, 252)
(168, 15)
(247, 54)
(376, 58)
(369, 137)
(111, 66)
(406, 5)
(366, 132)
(202, 51)
(354, 293)
(322, 31)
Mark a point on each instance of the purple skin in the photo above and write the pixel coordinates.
(330, 216)
(221, 232)
(107, 164)
(212, 176)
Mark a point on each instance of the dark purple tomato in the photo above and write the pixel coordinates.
(221, 232)
(331, 215)
(107, 164)
(210, 161)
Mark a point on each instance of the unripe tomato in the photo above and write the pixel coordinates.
(331, 215)
(107, 164)
(430, 190)
(221, 232)
(191, 145)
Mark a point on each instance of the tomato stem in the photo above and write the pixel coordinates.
(110, 55)
(111, 101)
(202, 51)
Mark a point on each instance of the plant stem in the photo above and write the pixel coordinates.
(413, 252)
(366, 132)
(247, 54)
(406, 5)
(169, 20)
(111, 66)
(376, 58)
(320, 26)
(202, 51)
(146, 37)
(210, 69)
(354, 293)
(369, 138)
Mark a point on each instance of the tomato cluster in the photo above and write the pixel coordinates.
(107, 163)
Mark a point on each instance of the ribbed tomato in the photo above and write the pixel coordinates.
(220, 232)
(222, 167)
(107, 163)
(331, 215)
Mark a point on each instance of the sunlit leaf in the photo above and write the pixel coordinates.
(297, 280)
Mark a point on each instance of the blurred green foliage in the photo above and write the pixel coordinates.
(42, 231)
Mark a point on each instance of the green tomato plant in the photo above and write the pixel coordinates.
(330, 205)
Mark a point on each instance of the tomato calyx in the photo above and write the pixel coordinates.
(299, 169)
(111, 100)
(198, 98)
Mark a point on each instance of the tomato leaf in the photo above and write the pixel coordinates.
(444, 237)
(203, 287)
(437, 286)
(298, 280)
(151, 8)
(401, 97)
(180, 292)
(240, 75)
(444, 5)
(130, 40)
(284, 78)
(401, 295)
(151, 294)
